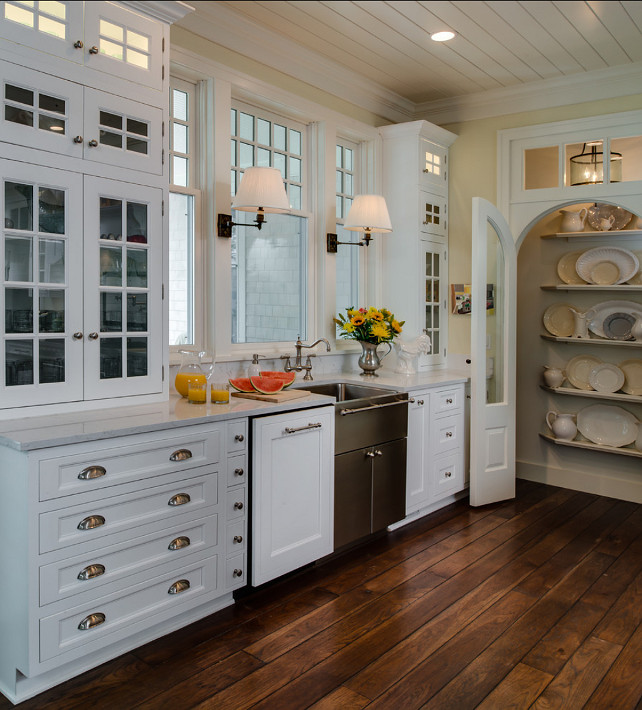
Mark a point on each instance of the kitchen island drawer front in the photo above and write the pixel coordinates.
(92, 521)
(237, 470)
(448, 400)
(235, 538)
(236, 436)
(447, 475)
(447, 434)
(149, 456)
(89, 627)
(236, 504)
(93, 571)
(235, 572)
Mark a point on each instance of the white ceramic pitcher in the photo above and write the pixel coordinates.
(573, 221)
(563, 425)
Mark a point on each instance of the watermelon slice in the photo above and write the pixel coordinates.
(266, 385)
(287, 378)
(242, 384)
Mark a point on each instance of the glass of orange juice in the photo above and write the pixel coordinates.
(197, 392)
(220, 392)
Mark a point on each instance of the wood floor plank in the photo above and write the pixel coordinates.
(518, 690)
(574, 685)
(624, 616)
(343, 698)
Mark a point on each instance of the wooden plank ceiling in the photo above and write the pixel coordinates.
(498, 43)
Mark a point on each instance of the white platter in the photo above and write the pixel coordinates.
(558, 319)
(632, 370)
(600, 211)
(606, 266)
(607, 308)
(607, 425)
(566, 268)
(578, 370)
(606, 377)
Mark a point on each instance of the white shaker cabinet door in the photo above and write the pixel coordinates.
(292, 491)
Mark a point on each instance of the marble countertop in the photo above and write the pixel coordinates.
(61, 429)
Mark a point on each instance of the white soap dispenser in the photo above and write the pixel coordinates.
(254, 370)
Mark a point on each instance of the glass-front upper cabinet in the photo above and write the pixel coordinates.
(41, 249)
(433, 163)
(433, 214)
(434, 298)
(123, 303)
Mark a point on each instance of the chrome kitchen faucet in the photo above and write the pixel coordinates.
(298, 366)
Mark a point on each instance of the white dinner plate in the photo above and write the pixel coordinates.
(559, 320)
(632, 370)
(606, 425)
(566, 268)
(579, 369)
(607, 308)
(606, 377)
(607, 265)
(618, 326)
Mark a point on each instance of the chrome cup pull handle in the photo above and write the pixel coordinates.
(91, 621)
(91, 571)
(181, 586)
(181, 455)
(179, 543)
(91, 522)
(92, 472)
(179, 499)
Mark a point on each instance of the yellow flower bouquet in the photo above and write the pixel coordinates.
(369, 325)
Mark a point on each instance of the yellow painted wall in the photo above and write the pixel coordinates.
(473, 173)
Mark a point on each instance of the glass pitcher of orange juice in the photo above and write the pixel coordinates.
(190, 370)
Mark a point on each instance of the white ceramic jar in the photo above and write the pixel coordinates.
(563, 425)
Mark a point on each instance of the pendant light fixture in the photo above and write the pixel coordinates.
(587, 168)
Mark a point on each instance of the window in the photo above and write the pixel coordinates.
(184, 278)
(347, 258)
(269, 267)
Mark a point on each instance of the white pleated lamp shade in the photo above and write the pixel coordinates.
(368, 213)
(261, 189)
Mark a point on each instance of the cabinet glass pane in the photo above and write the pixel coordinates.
(51, 27)
(18, 94)
(111, 120)
(49, 123)
(115, 51)
(18, 310)
(140, 128)
(137, 312)
(136, 222)
(111, 268)
(631, 151)
(18, 14)
(51, 103)
(428, 264)
(137, 357)
(19, 362)
(111, 218)
(114, 140)
(51, 313)
(137, 59)
(52, 360)
(137, 40)
(109, 29)
(51, 211)
(18, 206)
(51, 259)
(137, 268)
(111, 312)
(53, 8)
(18, 259)
(111, 358)
(137, 145)
(18, 115)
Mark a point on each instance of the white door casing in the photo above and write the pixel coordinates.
(492, 415)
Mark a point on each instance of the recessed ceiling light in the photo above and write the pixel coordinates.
(442, 36)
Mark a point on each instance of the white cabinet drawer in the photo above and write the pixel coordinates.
(235, 572)
(235, 538)
(446, 401)
(236, 470)
(92, 571)
(92, 521)
(236, 436)
(236, 504)
(120, 615)
(447, 433)
(152, 455)
(447, 475)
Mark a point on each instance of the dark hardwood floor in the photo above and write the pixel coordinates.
(532, 603)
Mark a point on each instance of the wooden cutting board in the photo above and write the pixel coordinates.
(274, 398)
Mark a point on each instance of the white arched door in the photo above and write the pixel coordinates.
(493, 371)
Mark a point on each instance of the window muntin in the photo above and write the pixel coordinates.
(269, 267)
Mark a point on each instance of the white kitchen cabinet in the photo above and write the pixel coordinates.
(292, 491)
(114, 543)
(436, 446)
(415, 161)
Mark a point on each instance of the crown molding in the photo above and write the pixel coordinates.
(222, 26)
(548, 93)
(168, 11)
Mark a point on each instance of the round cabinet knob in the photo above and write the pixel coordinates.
(239, 437)
(448, 474)
(77, 335)
(420, 402)
(238, 505)
(78, 139)
(92, 143)
(78, 44)
(238, 539)
(238, 471)
(93, 50)
(93, 336)
(237, 573)
(449, 400)
(449, 434)
(370, 454)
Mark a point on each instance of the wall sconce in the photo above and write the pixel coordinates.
(261, 190)
(367, 214)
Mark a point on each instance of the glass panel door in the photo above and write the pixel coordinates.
(123, 303)
(41, 249)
